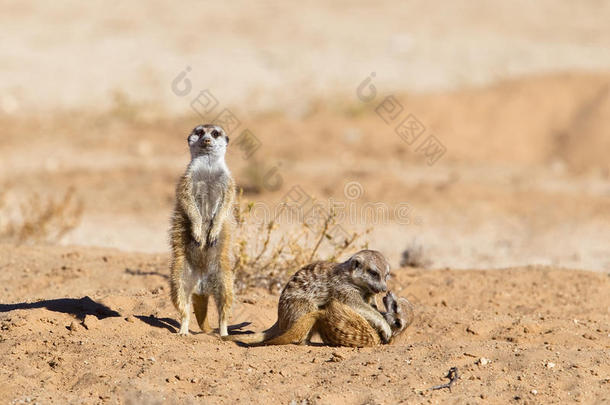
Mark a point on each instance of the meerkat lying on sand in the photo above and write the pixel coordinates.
(354, 283)
(340, 325)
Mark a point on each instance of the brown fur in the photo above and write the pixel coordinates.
(340, 325)
(314, 286)
(200, 239)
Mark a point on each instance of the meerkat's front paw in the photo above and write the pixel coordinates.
(385, 333)
(390, 303)
(212, 238)
(197, 236)
(184, 330)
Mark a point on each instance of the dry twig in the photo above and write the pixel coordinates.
(452, 375)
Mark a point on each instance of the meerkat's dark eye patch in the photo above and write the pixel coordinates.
(192, 139)
(199, 131)
(373, 273)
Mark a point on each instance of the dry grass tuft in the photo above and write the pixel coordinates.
(266, 256)
(254, 177)
(40, 219)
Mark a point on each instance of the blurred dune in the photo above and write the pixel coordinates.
(274, 55)
(524, 178)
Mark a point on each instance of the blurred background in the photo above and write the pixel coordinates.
(462, 134)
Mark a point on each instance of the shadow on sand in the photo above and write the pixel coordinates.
(79, 307)
(172, 325)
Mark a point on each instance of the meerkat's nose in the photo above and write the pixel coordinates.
(207, 141)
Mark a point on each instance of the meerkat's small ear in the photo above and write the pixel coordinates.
(227, 136)
(355, 263)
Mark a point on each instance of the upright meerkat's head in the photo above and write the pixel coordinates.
(369, 270)
(208, 140)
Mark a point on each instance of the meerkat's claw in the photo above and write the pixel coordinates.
(385, 339)
(212, 237)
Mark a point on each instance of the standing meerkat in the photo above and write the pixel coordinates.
(353, 282)
(201, 229)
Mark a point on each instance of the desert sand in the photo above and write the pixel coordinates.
(102, 330)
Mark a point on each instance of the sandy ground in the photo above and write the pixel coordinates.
(96, 326)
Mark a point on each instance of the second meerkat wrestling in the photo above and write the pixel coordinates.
(339, 325)
(354, 282)
(201, 231)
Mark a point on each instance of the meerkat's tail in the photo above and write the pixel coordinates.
(253, 339)
(273, 336)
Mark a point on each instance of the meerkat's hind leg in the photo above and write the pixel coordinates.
(224, 301)
(223, 292)
(224, 311)
(200, 304)
(180, 294)
(185, 315)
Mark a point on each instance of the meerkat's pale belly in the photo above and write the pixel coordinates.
(208, 194)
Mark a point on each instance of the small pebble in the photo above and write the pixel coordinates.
(483, 361)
